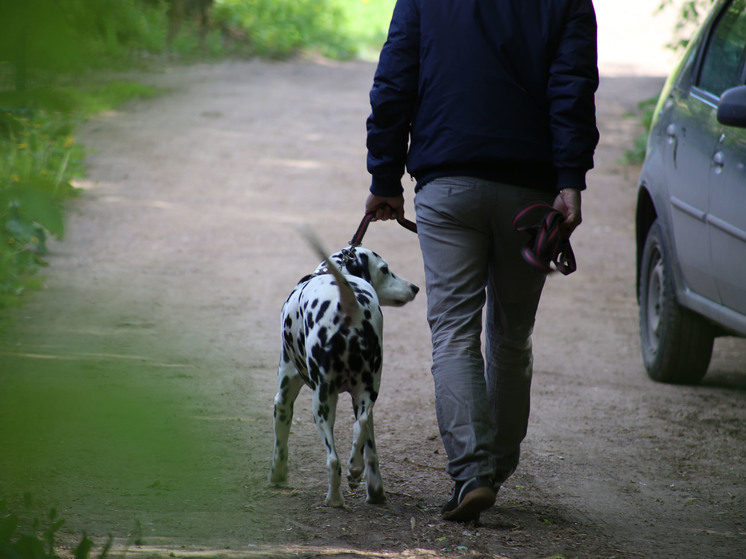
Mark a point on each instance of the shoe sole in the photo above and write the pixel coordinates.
(474, 502)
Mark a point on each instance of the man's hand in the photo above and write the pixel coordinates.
(385, 208)
(568, 202)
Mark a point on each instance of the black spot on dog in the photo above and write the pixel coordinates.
(322, 309)
(322, 336)
(338, 344)
(323, 392)
(322, 413)
(354, 356)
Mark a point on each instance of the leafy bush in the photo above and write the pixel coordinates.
(35, 543)
(38, 156)
(277, 28)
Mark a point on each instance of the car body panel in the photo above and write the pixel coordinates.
(727, 219)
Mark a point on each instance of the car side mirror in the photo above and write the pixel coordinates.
(732, 107)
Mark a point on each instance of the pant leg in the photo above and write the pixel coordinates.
(466, 239)
(455, 245)
(513, 294)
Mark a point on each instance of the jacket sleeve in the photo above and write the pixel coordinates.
(393, 98)
(573, 80)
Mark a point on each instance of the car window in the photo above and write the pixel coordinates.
(723, 62)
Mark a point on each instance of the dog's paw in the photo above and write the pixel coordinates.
(336, 501)
(353, 477)
(376, 497)
(277, 476)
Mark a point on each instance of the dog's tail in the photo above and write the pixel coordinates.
(347, 298)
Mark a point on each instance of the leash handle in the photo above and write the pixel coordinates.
(545, 245)
(357, 238)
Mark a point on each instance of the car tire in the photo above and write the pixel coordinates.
(676, 343)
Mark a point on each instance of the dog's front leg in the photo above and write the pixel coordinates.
(290, 383)
(324, 412)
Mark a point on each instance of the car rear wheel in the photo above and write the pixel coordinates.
(676, 343)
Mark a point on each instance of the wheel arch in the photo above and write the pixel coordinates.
(646, 215)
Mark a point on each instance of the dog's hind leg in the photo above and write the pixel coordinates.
(364, 457)
(289, 383)
(356, 465)
(373, 481)
(324, 413)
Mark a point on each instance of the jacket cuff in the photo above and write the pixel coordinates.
(386, 187)
(571, 178)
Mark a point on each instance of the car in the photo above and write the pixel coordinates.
(691, 204)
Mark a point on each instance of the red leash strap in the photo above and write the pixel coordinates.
(357, 239)
(542, 221)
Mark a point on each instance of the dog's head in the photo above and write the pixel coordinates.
(365, 264)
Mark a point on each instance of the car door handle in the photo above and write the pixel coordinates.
(671, 132)
(718, 160)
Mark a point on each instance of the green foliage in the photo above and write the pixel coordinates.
(646, 109)
(367, 23)
(691, 14)
(61, 36)
(52, 37)
(91, 100)
(281, 28)
(31, 542)
(39, 157)
(278, 28)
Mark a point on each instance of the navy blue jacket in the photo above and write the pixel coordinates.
(497, 89)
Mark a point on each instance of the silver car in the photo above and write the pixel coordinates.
(691, 204)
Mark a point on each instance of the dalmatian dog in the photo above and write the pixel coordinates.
(332, 342)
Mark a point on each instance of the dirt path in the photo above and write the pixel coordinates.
(136, 389)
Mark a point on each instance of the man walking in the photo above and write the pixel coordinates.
(489, 106)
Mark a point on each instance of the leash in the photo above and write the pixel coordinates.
(545, 245)
(357, 239)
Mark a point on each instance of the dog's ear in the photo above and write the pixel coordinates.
(358, 264)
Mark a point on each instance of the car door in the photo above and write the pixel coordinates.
(722, 68)
(687, 120)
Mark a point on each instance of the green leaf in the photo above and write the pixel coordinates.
(33, 206)
(84, 548)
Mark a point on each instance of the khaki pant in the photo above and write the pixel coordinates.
(472, 262)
